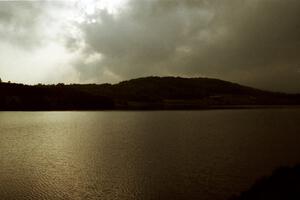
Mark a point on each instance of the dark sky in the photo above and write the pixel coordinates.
(253, 42)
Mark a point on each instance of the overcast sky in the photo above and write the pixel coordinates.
(252, 42)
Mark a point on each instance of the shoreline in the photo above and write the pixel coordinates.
(184, 108)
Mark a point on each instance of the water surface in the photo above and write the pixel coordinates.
(143, 155)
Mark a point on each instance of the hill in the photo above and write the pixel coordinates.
(141, 93)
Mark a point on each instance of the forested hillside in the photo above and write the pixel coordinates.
(141, 93)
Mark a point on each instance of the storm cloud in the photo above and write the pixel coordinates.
(253, 42)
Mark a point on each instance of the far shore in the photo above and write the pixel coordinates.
(216, 107)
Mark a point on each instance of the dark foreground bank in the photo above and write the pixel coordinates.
(283, 184)
(150, 93)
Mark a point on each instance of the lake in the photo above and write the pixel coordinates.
(207, 155)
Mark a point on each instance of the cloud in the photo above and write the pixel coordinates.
(249, 41)
(253, 42)
(18, 22)
(32, 42)
(140, 39)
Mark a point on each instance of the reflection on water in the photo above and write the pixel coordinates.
(142, 155)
